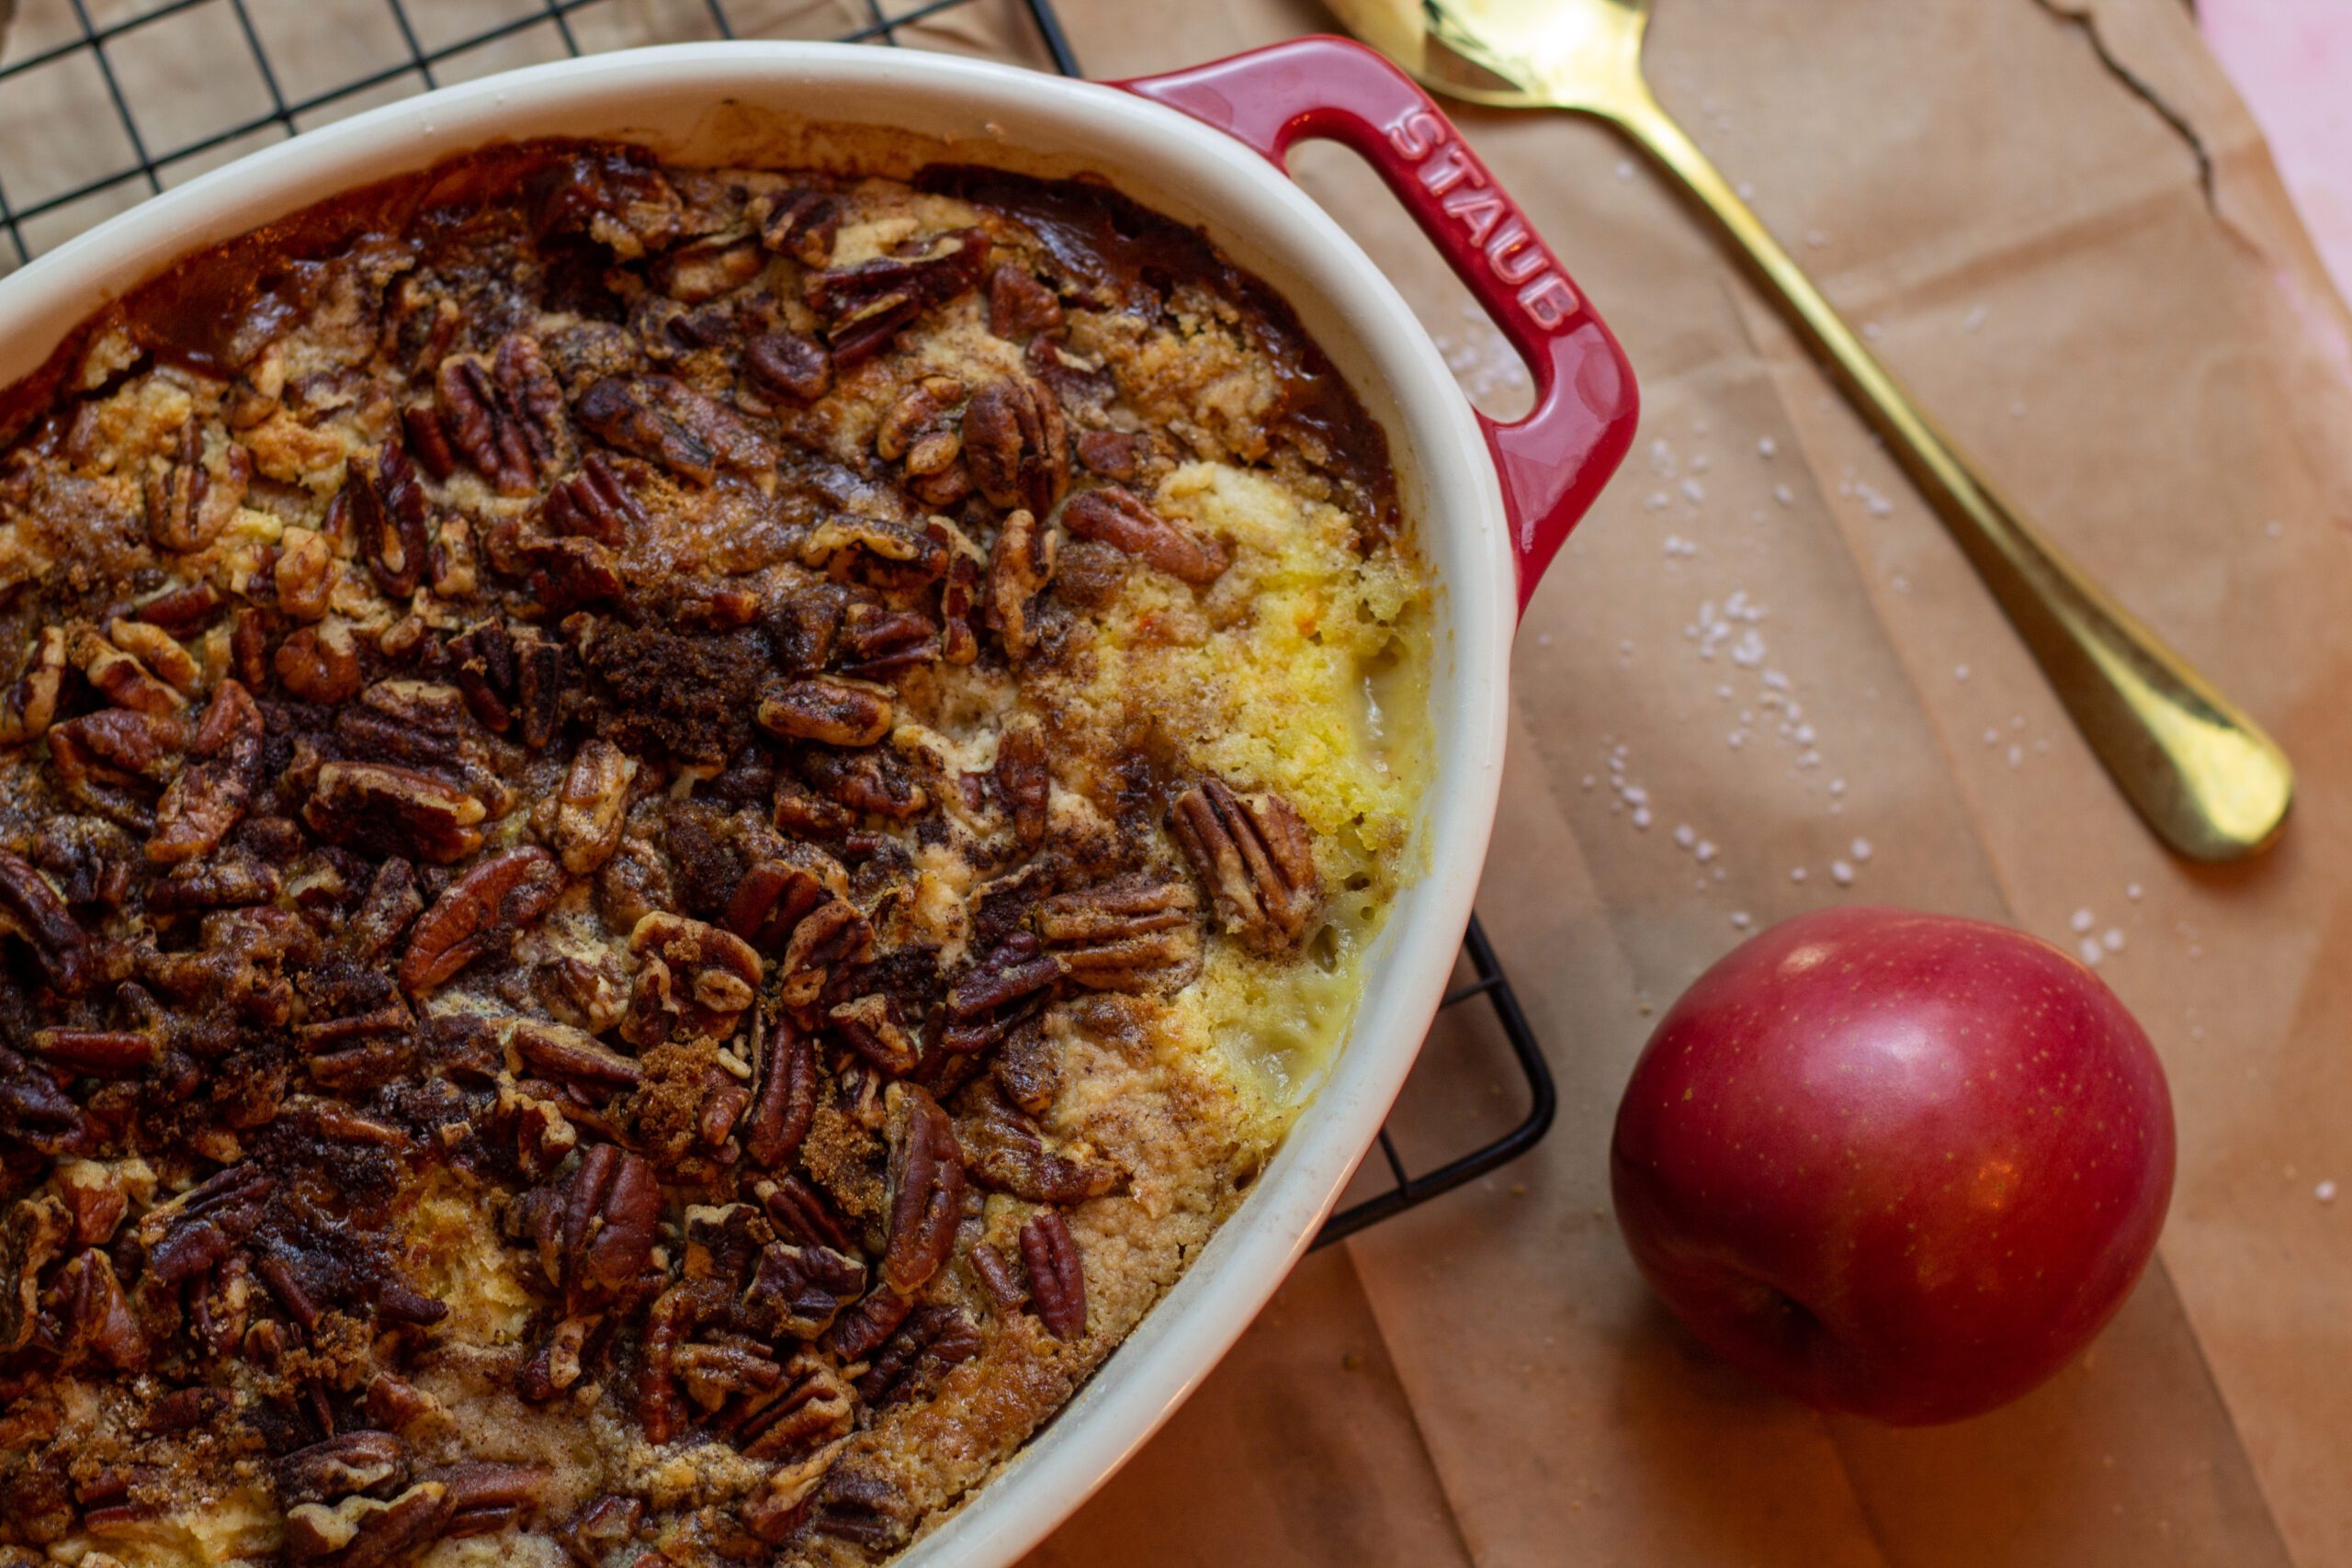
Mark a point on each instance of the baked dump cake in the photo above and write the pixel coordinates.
(669, 840)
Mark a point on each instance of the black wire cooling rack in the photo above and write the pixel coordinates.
(81, 50)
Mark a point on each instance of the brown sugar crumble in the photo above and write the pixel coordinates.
(670, 839)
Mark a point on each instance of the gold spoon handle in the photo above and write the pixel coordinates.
(2202, 773)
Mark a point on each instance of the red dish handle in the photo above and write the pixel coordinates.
(1553, 462)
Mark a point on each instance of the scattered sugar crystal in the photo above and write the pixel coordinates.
(1703, 851)
(1870, 329)
(1874, 502)
(1542, 640)
(1859, 848)
(2274, 529)
(1739, 921)
(1699, 428)
(1702, 463)
(1992, 737)
(2133, 892)
(1836, 786)
(1766, 446)
(1588, 781)
(1685, 835)
(1975, 319)
(1784, 495)
(1641, 817)
(1899, 583)
(1735, 739)
(2111, 939)
(1841, 874)
(1815, 238)
(2091, 951)
(1693, 491)
(1803, 735)
(1959, 671)
(1747, 189)
(2082, 921)
(2017, 409)
(2016, 756)
(1624, 168)
(2016, 721)
(1796, 874)
(1662, 458)
(2324, 1191)
(1658, 500)
(1723, 694)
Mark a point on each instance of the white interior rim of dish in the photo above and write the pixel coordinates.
(670, 100)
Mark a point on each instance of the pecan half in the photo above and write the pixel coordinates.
(186, 511)
(834, 712)
(159, 651)
(1017, 446)
(348, 1463)
(1256, 858)
(596, 1229)
(30, 704)
(108, 761)
(799, 1290)
(786, 1103)
(1056, 1274)
(1019, 304)
(917, 426)
(926, 1184)
(594, 504)
(479, 913)
(699, 272)
(1139, 932)
(360, 1532)
(665, 421)
(1118, 517)
(479, 428)
(120, 677)
(932, 1341)
(387, 515)
(871, 1026)
(1113, 454)
(1023, 779)
(305, 573)
(990, 996)
(693, 980)
(593, 807)
(374, 805)
(800, 223)
(188, 1234)
(788, 365)
(574, 1057)
(210, 794)
(320, 663)
(32, 1237)
(1007, 1151)
(1020, 567)
(30, 908)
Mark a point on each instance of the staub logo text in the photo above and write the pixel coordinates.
(1447, 170)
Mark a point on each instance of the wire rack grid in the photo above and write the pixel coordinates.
(90, 58)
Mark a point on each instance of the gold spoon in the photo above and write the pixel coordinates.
(2202, 773)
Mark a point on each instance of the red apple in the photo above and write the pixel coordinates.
(1896, 1164)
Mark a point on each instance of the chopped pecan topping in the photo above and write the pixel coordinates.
(1118, 517)
(870, 1024)
(865, 306)
(305, 574)
(834, 712)
(1028, 1069)
(1019, 568)
(1056, 1274)
(1113, 454)
(123, 680)
(1256, 860)
(995, 1274)
(479, 915)
(1017, 446)
(372, 805)
(211, 793)
(349, 1464)
(32, 1237)
(574, 1057)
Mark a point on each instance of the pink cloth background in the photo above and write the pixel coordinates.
(2292, 60)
